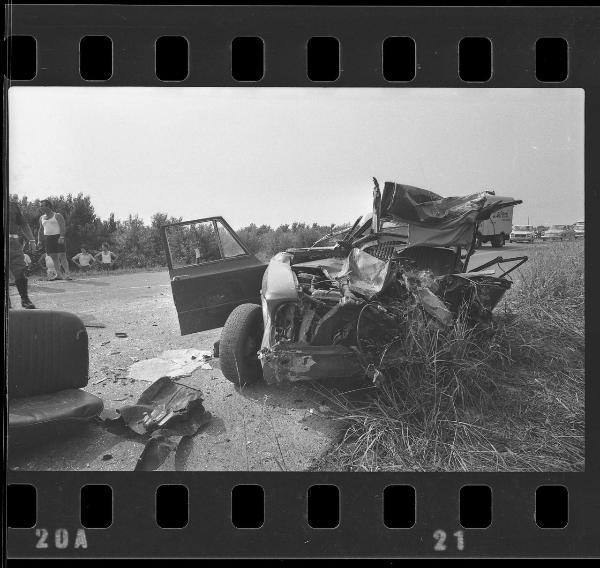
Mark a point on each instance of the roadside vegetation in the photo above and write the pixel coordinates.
(139, 245)
(505, 398)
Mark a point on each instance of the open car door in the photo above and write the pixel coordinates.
(212, 272)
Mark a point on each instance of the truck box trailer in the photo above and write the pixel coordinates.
(496, 230)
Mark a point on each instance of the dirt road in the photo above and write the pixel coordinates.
(258, 428)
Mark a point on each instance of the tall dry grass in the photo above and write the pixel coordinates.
(505, 398)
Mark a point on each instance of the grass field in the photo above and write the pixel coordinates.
(506, 398)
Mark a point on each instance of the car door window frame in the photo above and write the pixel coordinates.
(231, 233)
(214, 221)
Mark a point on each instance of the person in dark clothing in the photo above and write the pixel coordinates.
(16, 257)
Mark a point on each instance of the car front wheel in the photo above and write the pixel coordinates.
(240, 341)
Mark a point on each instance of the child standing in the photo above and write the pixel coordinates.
(106, 258)
(47, 263)
(83, 260)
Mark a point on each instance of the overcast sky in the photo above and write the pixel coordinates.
(273, 156)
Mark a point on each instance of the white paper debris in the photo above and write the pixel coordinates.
(172, 363)
(187, 356)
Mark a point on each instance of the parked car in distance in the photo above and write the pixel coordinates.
(558, 233)
(522, 234)
(579, 229)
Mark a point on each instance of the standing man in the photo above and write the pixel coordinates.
(53, 228)
(16, 257)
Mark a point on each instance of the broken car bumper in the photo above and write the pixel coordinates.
(297, 362)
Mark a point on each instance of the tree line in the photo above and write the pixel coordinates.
(140, 245)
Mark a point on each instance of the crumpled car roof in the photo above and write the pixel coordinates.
(439, 221)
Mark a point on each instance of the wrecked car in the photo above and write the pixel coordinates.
(312, 313)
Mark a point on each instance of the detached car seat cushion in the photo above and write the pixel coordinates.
(62, 406)
(47, 352)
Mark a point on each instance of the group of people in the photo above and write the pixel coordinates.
(83, 260)
(51, 234)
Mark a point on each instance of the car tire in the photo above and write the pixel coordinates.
(240, 340)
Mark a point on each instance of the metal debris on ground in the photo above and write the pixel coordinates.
(165, 414)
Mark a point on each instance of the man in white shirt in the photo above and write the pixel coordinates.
(53, 229)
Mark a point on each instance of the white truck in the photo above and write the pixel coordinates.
(496, 230)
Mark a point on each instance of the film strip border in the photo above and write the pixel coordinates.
(361, 530)
(292, 514)
(301, 46)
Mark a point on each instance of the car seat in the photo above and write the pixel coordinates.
(48, 362)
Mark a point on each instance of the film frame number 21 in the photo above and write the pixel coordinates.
(440, 536)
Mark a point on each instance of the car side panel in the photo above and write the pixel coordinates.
(205, 295)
